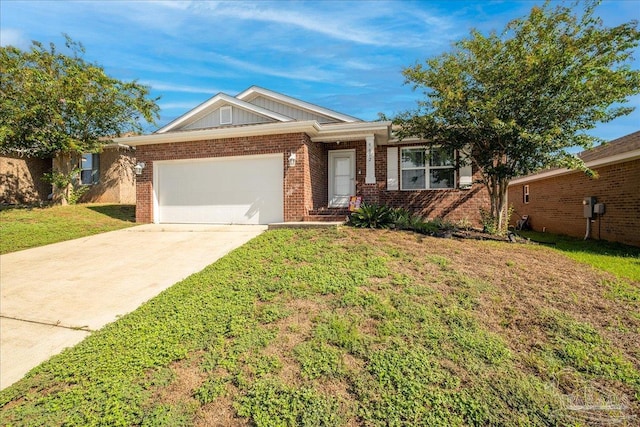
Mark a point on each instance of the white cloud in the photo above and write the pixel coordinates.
(13, 37)
(170, 87)
(361, 22)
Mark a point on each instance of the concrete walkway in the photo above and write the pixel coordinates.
(53, 296)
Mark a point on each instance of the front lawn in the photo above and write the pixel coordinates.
(621, 260)
(357, 327)
(23, 228)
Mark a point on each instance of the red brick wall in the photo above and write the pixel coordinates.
(297, 199)
(318, 173)
(555, 204)
(21, 180)
(453, 205)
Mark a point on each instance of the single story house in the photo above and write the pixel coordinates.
(263, 157)
(555, 199)
(108, 177)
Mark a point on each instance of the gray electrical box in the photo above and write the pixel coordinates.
(598, 208)
(588, 203)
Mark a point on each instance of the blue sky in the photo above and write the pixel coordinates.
(346, 56)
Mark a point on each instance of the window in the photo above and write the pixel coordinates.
(525, 194)
(225, 115)
(426, 168)
(90, 171)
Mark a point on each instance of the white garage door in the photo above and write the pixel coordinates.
(228, 190)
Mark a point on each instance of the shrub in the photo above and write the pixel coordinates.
(372, 216)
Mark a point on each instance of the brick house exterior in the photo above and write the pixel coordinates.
(21, 178)
(554, 198)
(259, 124)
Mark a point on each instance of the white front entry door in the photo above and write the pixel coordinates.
(342, 177)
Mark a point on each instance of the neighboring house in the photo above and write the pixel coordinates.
(20, 180)
(553, 199)
(108, 177)
(263, 157)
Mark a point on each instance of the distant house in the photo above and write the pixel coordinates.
(261, 157)
(553, 199)
(108, 177)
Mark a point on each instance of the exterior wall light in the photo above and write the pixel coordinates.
(138, 168)
(292, 159)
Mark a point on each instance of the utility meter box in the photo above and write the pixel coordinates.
(598, 208)
(588, 203)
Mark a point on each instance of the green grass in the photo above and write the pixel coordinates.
(335, 327)
(616, 258)
(23, 228)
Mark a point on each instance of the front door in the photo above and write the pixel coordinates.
(342, 177)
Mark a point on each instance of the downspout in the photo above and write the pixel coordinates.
(586, 236)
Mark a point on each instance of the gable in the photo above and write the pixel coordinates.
(292, 107)
(291, 111)
(239, 117)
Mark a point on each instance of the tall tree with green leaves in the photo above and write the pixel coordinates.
(58, 105)
(514, 103)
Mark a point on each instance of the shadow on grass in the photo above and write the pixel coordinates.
(122, 212)
(572, 244)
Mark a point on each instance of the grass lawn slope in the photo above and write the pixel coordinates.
(357, 327)
(23, 228)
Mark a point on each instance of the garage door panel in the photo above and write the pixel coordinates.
(241, 190)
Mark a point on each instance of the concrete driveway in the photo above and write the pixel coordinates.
(53, 296)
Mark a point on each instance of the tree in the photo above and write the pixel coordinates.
(515, 102)
(59, 105)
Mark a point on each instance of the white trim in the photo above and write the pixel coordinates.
(393, 182)
(618, 158)
(317, 132)
(255, 91)
(427, 168)
(331, 173)
(213, 103)
(370, 163)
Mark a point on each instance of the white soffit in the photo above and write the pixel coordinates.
(255, 91)
(217, 101)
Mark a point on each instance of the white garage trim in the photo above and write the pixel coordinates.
(219, 190)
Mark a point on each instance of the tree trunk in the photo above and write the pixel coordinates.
(497, 188)
(63, 165)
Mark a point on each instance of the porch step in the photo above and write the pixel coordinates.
(327, 215)
(306, 224)
(325, 218)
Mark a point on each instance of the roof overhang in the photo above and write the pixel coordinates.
(605, 161)
(317, 132)
(218, 101)
(255, 91)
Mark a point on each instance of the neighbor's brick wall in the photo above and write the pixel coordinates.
(21, 180)
(556, 203)
(117, 182)
(297, 201)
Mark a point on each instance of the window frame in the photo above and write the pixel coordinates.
(94, 169)
(427, 168)
(525, 194)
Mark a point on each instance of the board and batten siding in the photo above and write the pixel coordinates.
(286, 110)
(238, 116)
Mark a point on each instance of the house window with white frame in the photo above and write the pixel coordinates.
(89, 169)
(425, 168)
(525, 194)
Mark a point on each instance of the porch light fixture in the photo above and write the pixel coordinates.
(292, 159)
(138, 168)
